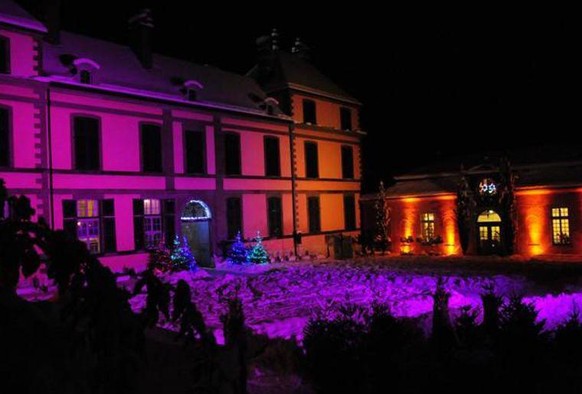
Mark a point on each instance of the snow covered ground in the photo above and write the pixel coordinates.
(279, 299)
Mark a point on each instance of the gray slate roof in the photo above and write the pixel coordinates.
(12, 14)
(291, 71)
(120, 67)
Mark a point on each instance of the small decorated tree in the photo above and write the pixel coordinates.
(160, 258)
(258, 254)
(238, 251)
(182, 258)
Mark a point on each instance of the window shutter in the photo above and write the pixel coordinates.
(138, 231)
(108, 225)
(169, 223)
(70, 217)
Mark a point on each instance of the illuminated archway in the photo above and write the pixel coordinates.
(196, 218)
(489, 232)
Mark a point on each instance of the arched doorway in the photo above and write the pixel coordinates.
(195, 220)
(489, 226)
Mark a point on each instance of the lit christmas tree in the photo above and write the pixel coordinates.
(160, 258)
(182, 258)
(258, 254)
(238, 251)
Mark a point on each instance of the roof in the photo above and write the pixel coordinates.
(14, 15)
(119, 67)
(291, 71)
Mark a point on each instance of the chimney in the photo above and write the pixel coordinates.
(141, 27)
(301, 50)
(52, 18)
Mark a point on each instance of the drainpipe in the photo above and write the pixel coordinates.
(50, 158)
(293, 191)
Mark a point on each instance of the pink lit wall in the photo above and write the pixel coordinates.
(23, 49)
(124, 220)
(254, 207)
(25, 130)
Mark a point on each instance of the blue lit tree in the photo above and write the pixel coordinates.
(182, 258)
(258, 254)
(238, 251)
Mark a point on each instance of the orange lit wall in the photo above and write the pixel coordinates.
(534, 221)
(327, 111)
(405, 221)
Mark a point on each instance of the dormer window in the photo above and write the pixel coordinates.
(191, 89)
(86, 69)
(191, 94)
(4, 55)
(271, 104)
(85, 77)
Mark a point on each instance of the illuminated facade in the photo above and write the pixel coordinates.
(530, 208)
(124, 147)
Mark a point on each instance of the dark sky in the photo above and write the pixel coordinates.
(433, 82)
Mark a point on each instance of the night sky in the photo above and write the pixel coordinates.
(430, 81)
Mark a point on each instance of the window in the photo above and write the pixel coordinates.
(153, 221)
(4, 137)
(232, 165)
(92, 222)
(347, 162)
(275, 217)
(195, 151)
(346, 118)
(350, 212)
(85, 76)
(311, 160)
(272, 157)
(314, 214)
(233, 216)
(191, 94)
(86, 143)
(4, 55)
(151, 148)
(427, 226)
(560, 226)
(309, 113)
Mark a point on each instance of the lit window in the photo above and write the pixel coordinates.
(88, 229)
(152, 222)
(560, 226)
(427, 225)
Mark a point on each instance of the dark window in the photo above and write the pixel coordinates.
(232, 165)
(4, 137)
(350, 212)
(346, 118)
(191, 94)
(275, 217)
(86, 143)
(195, 151)
(85, 77)
(347, 162)
(233, 216)
(169, 221)
(311, 160)
(272, 157)
(309, 113)
(4, 55)
(92, 222)
(151, 148)
(314, 214)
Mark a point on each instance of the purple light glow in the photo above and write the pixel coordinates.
(279, 303)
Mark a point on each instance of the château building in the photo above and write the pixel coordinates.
(124, 147)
